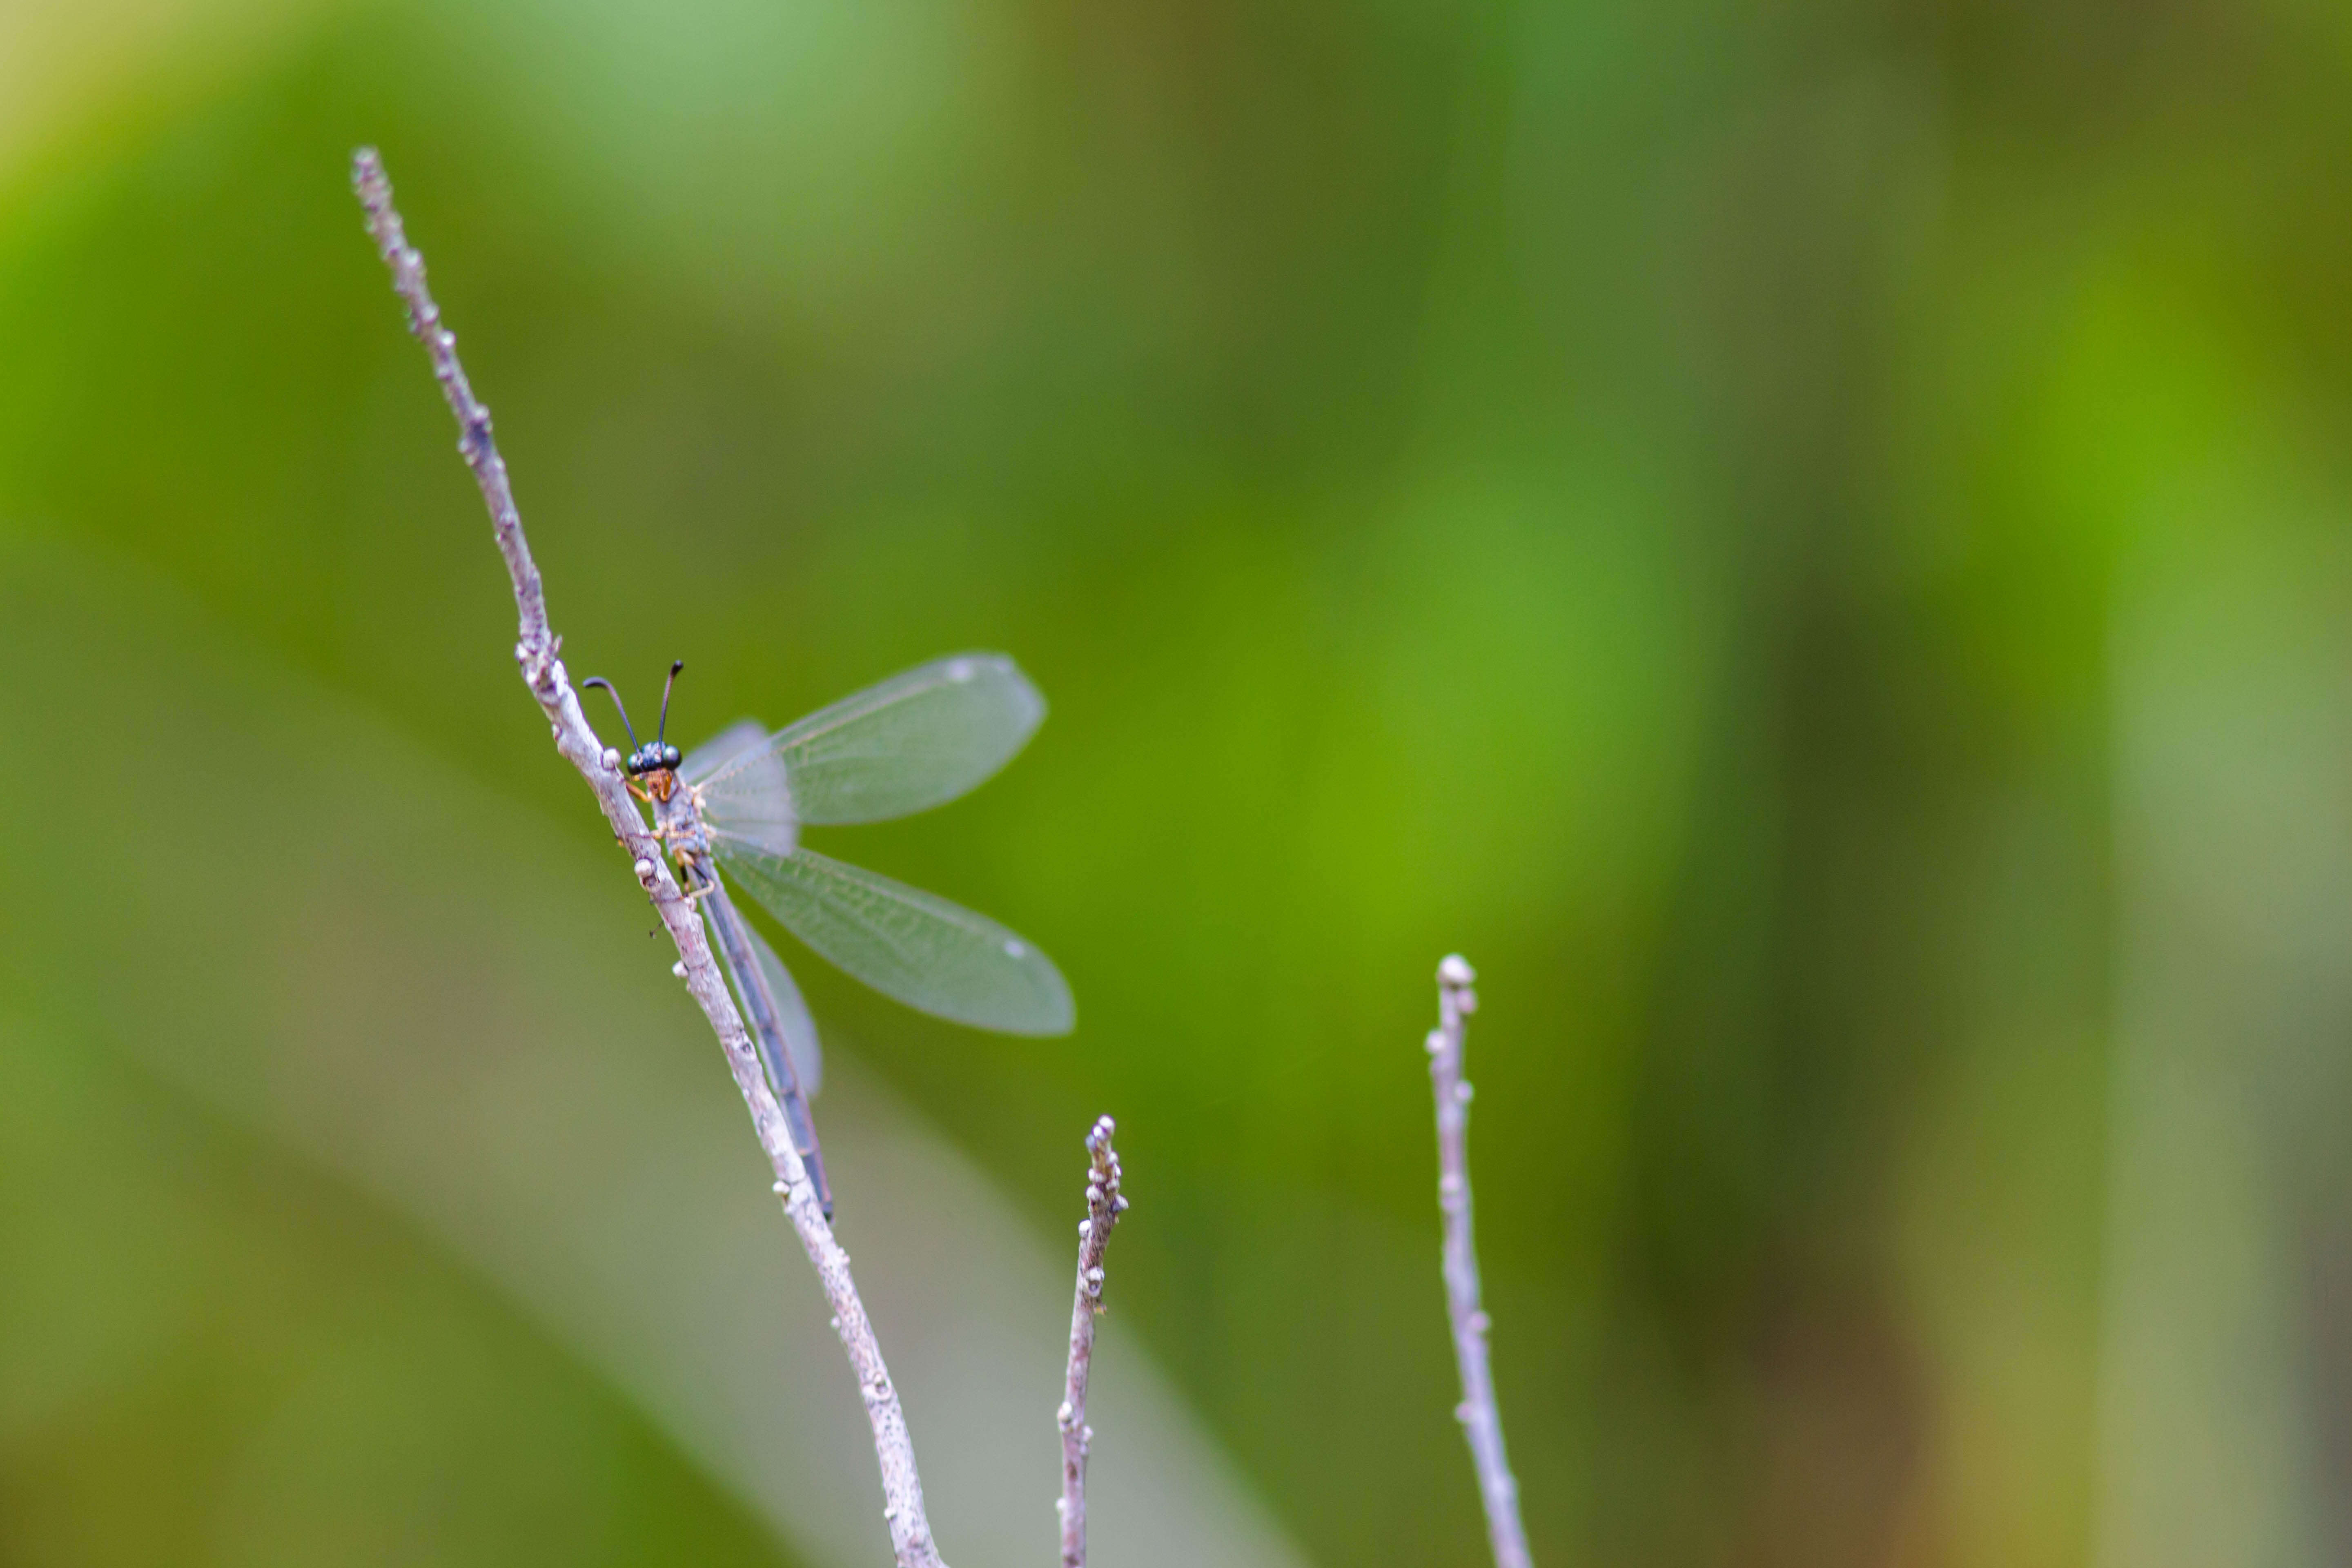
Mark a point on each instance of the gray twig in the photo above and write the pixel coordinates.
(1104, 1205)
(536, 651)
(1482, 1423)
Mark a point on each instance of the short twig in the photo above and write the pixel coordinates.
(1104, 1205)
(1482, 1423)
(536, 650)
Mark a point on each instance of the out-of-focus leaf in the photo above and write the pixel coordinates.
(63, 63)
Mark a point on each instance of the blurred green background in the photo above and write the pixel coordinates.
(1809, 541)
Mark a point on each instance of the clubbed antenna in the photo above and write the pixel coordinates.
(611, 692)
(676, 665)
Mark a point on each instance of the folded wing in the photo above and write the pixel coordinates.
(907, 944)
(791, 1018)
(918, 739)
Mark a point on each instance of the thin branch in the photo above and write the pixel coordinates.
(1104, 1205)
(536, 651)
(1482, 1423)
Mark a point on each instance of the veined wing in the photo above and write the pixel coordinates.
(744, 789)
(724, 747)
(919, 948)
(791, 1018)
(916, 741)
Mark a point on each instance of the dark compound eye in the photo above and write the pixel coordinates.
(671, 757)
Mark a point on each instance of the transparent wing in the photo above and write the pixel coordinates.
(792, 1016)
(744, 788)
(916, 741)
(724, 747)
(924, 951)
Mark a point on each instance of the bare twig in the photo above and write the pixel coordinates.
(536, 650)
(1482, 1423)
(1104, 1205)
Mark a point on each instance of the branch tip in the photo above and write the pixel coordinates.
(1482, 1422)
(1105, 1204)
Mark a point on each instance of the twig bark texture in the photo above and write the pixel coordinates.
(1104, 1205)
(1482, 1423)
(536, 650)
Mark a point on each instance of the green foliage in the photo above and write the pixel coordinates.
(1673, 502)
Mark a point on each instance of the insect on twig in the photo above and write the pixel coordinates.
(737, 803)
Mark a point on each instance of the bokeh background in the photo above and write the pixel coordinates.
(1809, 541)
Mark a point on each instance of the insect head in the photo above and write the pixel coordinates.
(660, 757)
